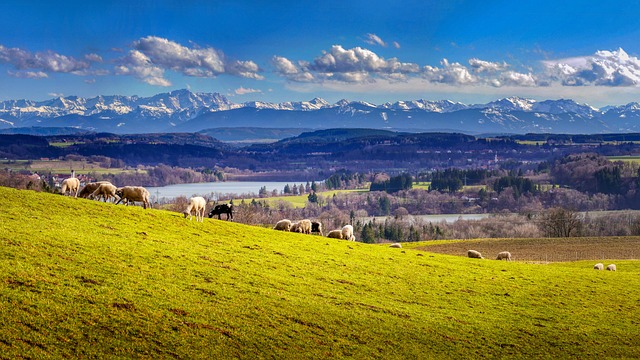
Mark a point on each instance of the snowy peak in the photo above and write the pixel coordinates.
(564, 106)
(513, 103)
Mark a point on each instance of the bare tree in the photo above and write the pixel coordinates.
(560, 222)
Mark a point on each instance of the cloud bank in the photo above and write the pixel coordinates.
(38, 65)
(363, 66)
(151, 56)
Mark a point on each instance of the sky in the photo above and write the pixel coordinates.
(276, 51)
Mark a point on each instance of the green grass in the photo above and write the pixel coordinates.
(63, 166)
(299, 201)
(81, 278)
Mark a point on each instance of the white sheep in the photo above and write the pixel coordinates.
(89, 188)
(335, 234)
(71, 185)
(505, 255)
(133, 194)
(347, 233)
(396, 245)
(598, 266)
(283, 225)
(305, 226)
(611, 267)
(474, 254)
(107, 191)
(296, 227)
(198, 205)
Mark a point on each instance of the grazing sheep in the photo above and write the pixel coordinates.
(396, 245)
(283, 225)
(335, 234)
(305, 226)
(316, 227)
(133, 194)
(296, 227)
(89, 188)
(107, 191)
(197, 204)
(598, 266)
(71, 185)
(611, 267)
(474, 254)
(347, 233)
(222, 209)
(505, 255)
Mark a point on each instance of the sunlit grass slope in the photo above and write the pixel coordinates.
(80, 278)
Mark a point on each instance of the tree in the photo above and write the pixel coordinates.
(368, 234)
(312, 197)
(561, 222)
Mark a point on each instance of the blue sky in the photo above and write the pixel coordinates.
(376, 51)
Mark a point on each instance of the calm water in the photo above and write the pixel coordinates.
(228, 187)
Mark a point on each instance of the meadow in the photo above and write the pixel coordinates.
(82, 278)
(62, 167)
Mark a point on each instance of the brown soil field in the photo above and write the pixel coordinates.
(545, 249)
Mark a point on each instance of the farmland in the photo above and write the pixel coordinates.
(62, 166)
(118, 281)
(542, 250)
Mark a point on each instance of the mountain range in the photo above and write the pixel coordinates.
(186, 111)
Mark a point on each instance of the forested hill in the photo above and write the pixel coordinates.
(360, 149)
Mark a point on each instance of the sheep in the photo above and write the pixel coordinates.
(197, 204)
(296, 227)
(347, 233)
(107, 191)
(283, 225)
(335, 234)
(89, 188)
(304, 226)
(133, 193)
(611, 267)
(222, 209)
(505, 255)
(396, 245)
(316, 227)
(474, 254)
(598, 266)
(71, 185)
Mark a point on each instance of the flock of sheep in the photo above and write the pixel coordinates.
(600, 266)
(504, 255)
(307, 226)
(106, 191)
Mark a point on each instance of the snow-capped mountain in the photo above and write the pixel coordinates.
(183, 110)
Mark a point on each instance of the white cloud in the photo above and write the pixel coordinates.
(242, 91)
(141, 67)
(396, 45)
(373, 39)
(152, 56)
(480, 66)
(55, 95)
(450, 73)
(604, 68)
(41, 62)
(289, 70)
(28, 74)
(93, 58)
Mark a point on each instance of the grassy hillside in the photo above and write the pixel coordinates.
(81, 278)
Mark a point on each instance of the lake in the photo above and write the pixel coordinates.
(227, 187)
